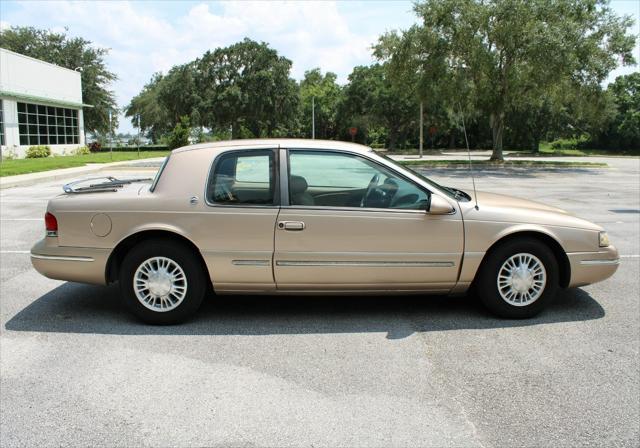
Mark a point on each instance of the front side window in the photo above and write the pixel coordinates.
(324, 178)
(243, 178)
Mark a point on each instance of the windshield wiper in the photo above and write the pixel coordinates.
(458, 194)
(112, 184)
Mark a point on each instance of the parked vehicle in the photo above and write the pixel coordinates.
(310, 217)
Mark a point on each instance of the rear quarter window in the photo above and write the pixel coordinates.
(243, 178)
(159, 173)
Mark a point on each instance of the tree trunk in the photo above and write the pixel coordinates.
(393, 140)
(535, 144)
(497, 130)
(452, 139)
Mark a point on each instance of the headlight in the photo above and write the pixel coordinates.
(604, 239)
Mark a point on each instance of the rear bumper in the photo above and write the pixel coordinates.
(74, 264)
(592, 267)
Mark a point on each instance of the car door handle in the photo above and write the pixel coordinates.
(291, 225)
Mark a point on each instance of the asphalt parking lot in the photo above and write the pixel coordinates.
(77, 370)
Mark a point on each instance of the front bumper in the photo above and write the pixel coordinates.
(74, 264)
(593, 267)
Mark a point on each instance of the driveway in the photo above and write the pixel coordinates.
(77, 370)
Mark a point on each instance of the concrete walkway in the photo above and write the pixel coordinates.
(615, 161)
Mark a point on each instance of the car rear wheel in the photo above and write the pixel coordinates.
(518, 279)
(162, 282)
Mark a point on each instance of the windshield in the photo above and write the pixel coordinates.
(451, 192)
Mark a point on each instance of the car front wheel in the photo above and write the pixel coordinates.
(162, 282)
(518, 279)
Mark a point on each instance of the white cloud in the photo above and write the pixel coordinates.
(144, 39)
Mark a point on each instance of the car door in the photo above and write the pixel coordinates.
(242, 197)
(350, 223)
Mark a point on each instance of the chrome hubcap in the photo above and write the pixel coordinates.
(521, 279)
(160, 284)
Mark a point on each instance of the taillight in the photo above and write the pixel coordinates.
(51, 224)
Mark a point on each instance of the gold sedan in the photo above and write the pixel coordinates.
(310, 217)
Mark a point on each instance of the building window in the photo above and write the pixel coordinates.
(47, 125)
(1, 125)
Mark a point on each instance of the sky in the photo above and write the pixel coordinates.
(146, 36)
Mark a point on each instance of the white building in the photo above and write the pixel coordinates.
(40, 104)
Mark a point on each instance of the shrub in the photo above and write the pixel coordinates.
(38, 152)
(569, 143)
(9, 154)
(95, 147)
(81, 151)
(180, 134)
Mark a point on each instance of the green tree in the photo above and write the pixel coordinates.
(626, 126)
(418, 65)
(147, 111)
(70, 52)
(374, 102)
(511, 51)
(325, 93)
(178, 95)
(180, 135)
(568, 110)
(246, 86)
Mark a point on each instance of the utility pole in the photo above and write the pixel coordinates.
(421, 127)
(313, 117)
(110, 136)
(138, 141)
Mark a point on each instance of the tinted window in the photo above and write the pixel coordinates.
(321, 178)
(47, 125)
(243, 179)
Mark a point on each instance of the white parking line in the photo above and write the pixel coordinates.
(21, 219)
(4, 200)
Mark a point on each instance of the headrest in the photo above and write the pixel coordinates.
(297, 184)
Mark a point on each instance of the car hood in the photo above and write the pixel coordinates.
(502, 200)
(503, 208)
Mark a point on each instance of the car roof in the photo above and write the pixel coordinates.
(297, 143)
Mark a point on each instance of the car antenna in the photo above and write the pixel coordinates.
(466, 140)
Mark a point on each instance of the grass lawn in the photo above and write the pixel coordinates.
(24, 166)
(509, 163)
(548, 151)
(545, 151)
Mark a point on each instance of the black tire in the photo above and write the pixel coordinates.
(183, 256)
(487, 281)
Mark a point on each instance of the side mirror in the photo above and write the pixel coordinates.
(439, 206)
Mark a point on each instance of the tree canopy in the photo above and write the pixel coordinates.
(510, 54)
(372, 101)
(70, 52)
(246, 85)
(325, 93)
(519, 71)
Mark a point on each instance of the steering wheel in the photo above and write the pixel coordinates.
(372, 184)
(223, 193)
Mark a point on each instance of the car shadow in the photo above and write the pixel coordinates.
(78, 308)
